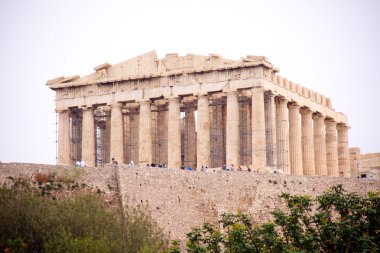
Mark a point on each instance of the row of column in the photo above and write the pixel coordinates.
(294, 139)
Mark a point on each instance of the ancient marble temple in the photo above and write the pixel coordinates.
(199, 111)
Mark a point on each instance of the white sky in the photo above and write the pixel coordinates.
(332, 47)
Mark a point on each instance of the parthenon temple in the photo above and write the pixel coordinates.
(199, 111)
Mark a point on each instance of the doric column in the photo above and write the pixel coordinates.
(232, 131)
(354, 161)
(258, 129)
(307, 142)
(88, 137)
(343, 152)
(270, 128)
(190, 149)
(295, 145)
(331, 148)
(203, 134)
(320, 145)
(116, 146)
(64, 138)
(282, 134)
(174, 134)
(145, 133)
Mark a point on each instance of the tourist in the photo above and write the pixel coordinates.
(77, 164)
(190, 168)
(232, 167)
(239, 168)
(132, 162)
(83, 163)
(224, 167)
(114, 162)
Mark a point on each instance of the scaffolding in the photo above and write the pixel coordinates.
(130, 135)
(160, 134)
(102, 116)
(245, 129)
(188, 134)
(56, 137)
(75, 135)
(218, 110)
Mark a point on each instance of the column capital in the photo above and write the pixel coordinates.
(342, 126)
(173, 99)
(293, 105)
(200, 95)
(144, 101)
(258, 90)
(86, 107)
(270, 94)
(231, 92)
(318, 116)
(330, 122)
(61, 110)
(116, 105)
(280, 99)
(305, 110)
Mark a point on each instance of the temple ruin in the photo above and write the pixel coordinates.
(199, 111)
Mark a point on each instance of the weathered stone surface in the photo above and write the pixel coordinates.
(151, 108)
(179, 200)
(364, 165)
(295, 145)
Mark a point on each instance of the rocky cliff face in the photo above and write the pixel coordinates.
(179, 200)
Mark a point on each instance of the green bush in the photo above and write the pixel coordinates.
(83, 222)
(336, 221)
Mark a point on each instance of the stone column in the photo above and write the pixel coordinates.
(343, 152)
(354, 161)
(320, 145)
(270, 128)
(282, 135)
(117, 137)
(295, 145)
(64, 138)
(203, 134)
(331, 148)
(174, 134)
(232, 131)
(88, 137)
(258, 129)
(307, 142)
(190, 150)
(145, 133)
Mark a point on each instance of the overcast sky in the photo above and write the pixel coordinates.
(331, 47)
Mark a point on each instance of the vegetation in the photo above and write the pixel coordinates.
(37, 219)
(336, 221)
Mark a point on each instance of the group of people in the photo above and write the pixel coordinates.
(81, 163)
(224, 167)
(232, 168)
(114, 162)
(156, 165)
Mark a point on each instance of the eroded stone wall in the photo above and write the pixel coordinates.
(179, 200)
(103, 178)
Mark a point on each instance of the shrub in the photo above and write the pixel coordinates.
(336, 221)
(80, 223)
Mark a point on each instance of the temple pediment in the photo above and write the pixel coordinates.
(148, 65)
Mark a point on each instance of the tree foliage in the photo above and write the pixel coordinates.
(336, 221)
(33, 220)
